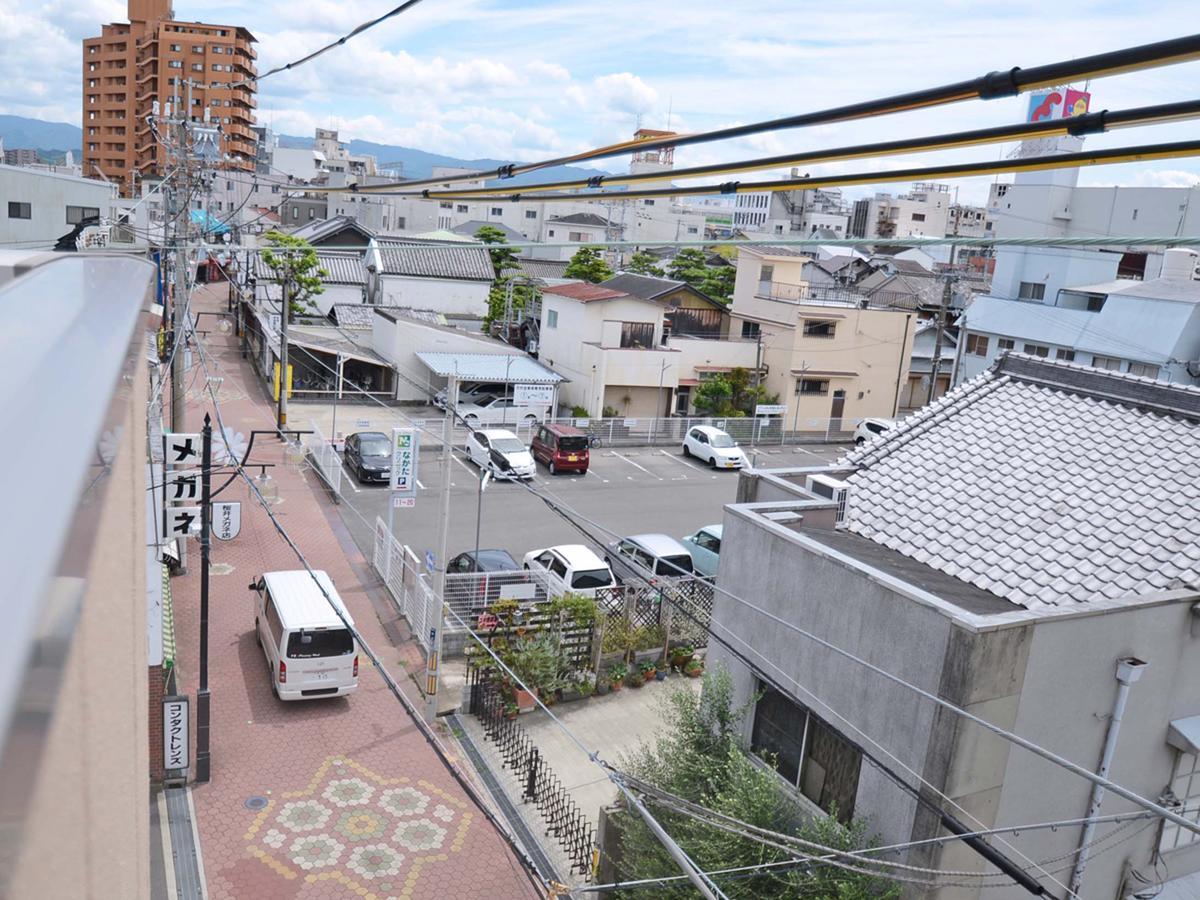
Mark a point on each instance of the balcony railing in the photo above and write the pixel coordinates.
(822, 295)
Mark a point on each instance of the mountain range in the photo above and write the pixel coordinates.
(53, 139)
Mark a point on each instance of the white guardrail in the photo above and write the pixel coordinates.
(400, 570)
(325, 458)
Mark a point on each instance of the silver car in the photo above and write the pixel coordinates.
(649, 558)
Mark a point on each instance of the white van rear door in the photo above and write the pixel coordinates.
(320, 658)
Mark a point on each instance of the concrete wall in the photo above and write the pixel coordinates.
(48, 194)
(1054, 267)
(696, 354)
(87, 832)
(444, 295)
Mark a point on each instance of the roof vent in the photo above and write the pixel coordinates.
(830, 489)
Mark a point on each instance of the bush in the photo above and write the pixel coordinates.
(610, 412)
(579, 412)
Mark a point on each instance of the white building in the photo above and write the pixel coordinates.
(923, 212)
(451, 279)
(42, 206)
(798, 213)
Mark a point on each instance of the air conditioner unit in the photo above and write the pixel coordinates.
(830, 489)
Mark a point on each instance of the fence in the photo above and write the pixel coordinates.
(565, 821)
(325, 458)
(750, 431)
(470, 593)
(400, 570)
(690, 603)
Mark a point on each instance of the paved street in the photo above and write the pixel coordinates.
(324, 799)
(627, 490)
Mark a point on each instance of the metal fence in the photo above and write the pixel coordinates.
(565, 821)
(400, 570)
(324, 457)
(750, 431)
(689, 602)
(468, 594)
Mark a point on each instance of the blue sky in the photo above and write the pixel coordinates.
(522, 79)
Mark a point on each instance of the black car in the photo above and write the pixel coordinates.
(471, 584)
(369, 456)
(487, 561)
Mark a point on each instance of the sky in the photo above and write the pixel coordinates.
(521, 80)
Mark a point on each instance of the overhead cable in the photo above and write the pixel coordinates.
(985, 87)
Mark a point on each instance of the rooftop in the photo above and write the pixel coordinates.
(585, 292)
(650, 288)
(341, 267)
(540, 268)
(469, 229)
(582, 219)
(463, 262)
(1045, 483)
(500, 367)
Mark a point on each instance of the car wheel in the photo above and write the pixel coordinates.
(257, 634)
(858, 441)
(712, 460)
(686, 451)
(553, 470)
(530, 421)
(358, 473)
(472, 421)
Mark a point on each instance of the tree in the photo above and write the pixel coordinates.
(588, 265)
(718, 283)
(731, 395)
(698, 756)
(689, 265)
(294, 260)
(504, 268)
(642, 263)
(502, 257)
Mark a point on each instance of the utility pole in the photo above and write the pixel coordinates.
(179, 207)
(936, 363)
(285, 314)
(203, 699)
(433, 659)
(757, 362)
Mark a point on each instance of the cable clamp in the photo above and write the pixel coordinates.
(505, 171)
(999, 84)
(1089, 123)
(595, 181)
(730, 187)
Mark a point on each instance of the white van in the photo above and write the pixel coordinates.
(310, 652)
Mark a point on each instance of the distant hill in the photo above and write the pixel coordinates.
(50, 139)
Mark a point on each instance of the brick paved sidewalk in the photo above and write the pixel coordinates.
(357, 803)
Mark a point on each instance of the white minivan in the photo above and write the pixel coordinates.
(310, 651)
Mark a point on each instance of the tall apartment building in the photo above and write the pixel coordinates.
(154, 58)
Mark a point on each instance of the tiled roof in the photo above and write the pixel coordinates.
(353, 315)
(1048, 484)
(469, 229)
(650, 288)
(342, 268)
(540, 268)
(584, 292)
(465, 262)
(582, 219)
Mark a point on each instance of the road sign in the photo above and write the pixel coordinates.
(178, 521)
(404, 502)
(182, 449)
(226, 520)
(629, 423)
(175, 733)
(404, 460)
(362, 423)
(430, 562)
(770, 409)
(533, 394)
(182, 484)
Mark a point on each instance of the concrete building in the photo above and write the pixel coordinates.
(831, 355)
(155, 59)
(923, 212)
(41, 206)
(798, 213)
(1149, 328)
(920, 367)
(21, 157)
(1025, 549)
(583, 227)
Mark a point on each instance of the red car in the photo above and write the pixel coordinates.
(561, 447)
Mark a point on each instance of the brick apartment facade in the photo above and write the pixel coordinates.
(152, 57)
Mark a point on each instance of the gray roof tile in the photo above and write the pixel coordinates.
(430, 259)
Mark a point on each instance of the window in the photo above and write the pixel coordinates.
(709, 542)
(551, 232)
(637, 335)
(1185, 785)
(552, 318)
(918, 217)
(1036, 350)
(647, 202)
(1031, 290)
(462, 208)
(497, 211)
(19, 210)
(197, 48)
(1064, 354)
(581, 237)
(977, 344)
(197, 67)
(809, 754)
(750, 330)
(1107, 362)
(819, 328)
(218, 49)
(445, 205)
(175, 64)
(400, 223)
(1144, 369)
(812, 386)
(531, 213)
(76, 214)
(318, 644)
(273, 623)
(692, 229)
(1135, 215)
(177, 47)
(295, 213)
(1005, 344)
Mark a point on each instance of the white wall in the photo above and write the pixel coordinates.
(444, 295)
(48, 194)
(1054, 267)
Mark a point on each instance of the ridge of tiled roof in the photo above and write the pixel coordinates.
(467, 261)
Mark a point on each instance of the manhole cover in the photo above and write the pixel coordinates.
(256, 803)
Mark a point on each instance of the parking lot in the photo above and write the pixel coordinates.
(626, 490)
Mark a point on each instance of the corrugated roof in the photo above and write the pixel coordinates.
(585, 292)
(1046, 483)
(342, 267)
(501, 367)
(462, 262)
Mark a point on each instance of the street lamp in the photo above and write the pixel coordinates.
(485, 476)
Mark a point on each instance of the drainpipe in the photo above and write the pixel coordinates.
(1129, 670)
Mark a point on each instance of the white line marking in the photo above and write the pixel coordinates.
(803, 450)
(636, 466)
(463, 464)
(421, 486)
(349, 479)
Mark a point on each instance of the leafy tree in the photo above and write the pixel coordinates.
(504, 265)
(588, 265)
(293, 259)
(643, 263)
(502, 257)
(731, 395)
(698, 756)
(689, 265)
(718, 283)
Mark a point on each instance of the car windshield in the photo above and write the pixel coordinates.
(722, 440)
(375, 447)
(575, 444)
(508, 445)
(314, 644)
(592, 578)
(674, 565)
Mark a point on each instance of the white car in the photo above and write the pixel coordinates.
(501, 452)
(871, 428)
(705, 547)
(469, 393)
(571, 567)
(714, 447)
(490, 410)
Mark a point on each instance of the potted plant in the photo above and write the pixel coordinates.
(617, 675)
(682, 655)
(603, 686)
(662, 670)
(511, 710)
(648, 670)
(694, 669)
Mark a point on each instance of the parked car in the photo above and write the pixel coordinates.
(310, 652)
(491, 410)
(562, 448)
(492, 570)
(705, 547)
(571, 567)
(469, 392)
(501, 452)
(713, 446)
(649, 558)
(871, 428)
(368, 455)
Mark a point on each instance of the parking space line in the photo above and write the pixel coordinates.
(636, 466)
(421, 486)
(594, 475)
(454, 457)
(804, 450)
(350, 477)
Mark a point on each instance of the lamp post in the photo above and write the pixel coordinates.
(484, 477)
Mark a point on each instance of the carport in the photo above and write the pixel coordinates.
(509, 369)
